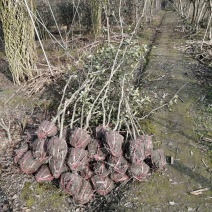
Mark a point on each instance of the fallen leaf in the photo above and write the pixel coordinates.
(172, 203)
(190, 209)
(174, 183)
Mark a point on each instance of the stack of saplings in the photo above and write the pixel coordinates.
(86, 163)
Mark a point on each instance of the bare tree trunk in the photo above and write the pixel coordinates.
(200, 14)
(136, 11)
(194, 12)
(96, 13)
(19, 39)
(106, 11)
(208, 29)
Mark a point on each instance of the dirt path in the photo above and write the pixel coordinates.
(175, 129)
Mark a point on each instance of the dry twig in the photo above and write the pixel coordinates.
(199, 191)
(6, 128)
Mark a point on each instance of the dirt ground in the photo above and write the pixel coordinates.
(182, 127)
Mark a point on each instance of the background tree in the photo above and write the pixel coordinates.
(197, 13)
(19, 38)
(96, 14)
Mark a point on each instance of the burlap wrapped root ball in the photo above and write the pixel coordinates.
(85, 194)
(139, 171)
(20, 152)
(70, 182)
(113, 142)
(139, 149)
(86, 164)
(146, 140)
(57, 149)
(79, 138)
(118, 164)
(100, 169)
(73, 184)
(39, 150)
(28, 164)
(44, 174)
(95, 151)
(158, 159)
(86, 173)
(119, 177)
(77, 159)
(46, 129)
(102, 185)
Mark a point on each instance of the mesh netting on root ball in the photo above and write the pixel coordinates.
(95, 151)
(77, 159)
(100, 169)
(29, 164)
(102, 185)
(158, 159)
(113, 142)
(46, 129)
(138, 149)
(86, 173)
(44, 174)
(57, 149)
(20, 152)
(71, 182)
(85, 193)
(139, 171)
(118, 164)
(118, 177)
(87, 163)
(39, 150)
(79, 138)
